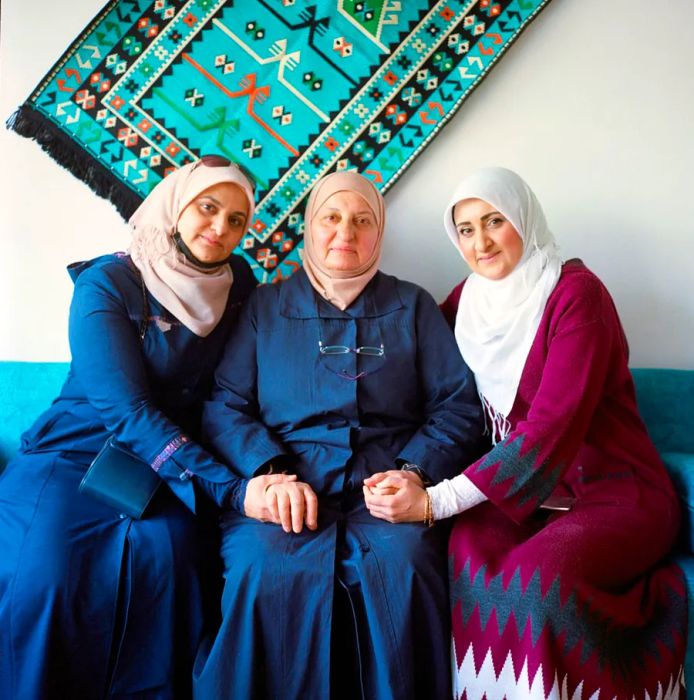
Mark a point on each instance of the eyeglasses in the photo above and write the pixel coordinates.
(370, 350)
(213, 160)
(367, 350)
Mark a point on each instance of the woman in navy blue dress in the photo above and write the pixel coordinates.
(333, 375)
(93, 603)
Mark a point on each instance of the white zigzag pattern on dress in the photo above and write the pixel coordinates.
(504, 686)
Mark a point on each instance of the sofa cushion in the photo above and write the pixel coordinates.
(680, 465)
(26, 390)
(666, 404)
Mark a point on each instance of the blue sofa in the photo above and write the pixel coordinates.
(26, 389)
(665, 396)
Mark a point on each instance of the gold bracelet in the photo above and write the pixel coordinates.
(428, 510)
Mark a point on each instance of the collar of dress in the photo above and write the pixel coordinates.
(298, 299)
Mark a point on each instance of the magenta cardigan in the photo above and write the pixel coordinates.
(575, 429)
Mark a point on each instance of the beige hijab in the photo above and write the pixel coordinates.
(341, 288)
(196, 297)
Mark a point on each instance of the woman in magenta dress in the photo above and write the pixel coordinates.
(559, 583)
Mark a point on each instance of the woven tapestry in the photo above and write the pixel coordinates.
(290, 90)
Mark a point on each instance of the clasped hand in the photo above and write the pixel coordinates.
(396, 496)
(281, 499)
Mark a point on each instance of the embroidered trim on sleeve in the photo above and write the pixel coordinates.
(168, 451)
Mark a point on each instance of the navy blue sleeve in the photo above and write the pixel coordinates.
(231, 422)
(450, 437)
(107, 361)
(244, 279)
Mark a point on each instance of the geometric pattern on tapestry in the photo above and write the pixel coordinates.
(290, 90)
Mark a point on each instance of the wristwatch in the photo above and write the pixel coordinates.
(412, 467)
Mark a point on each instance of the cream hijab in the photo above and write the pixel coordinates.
(497, 319)
(196, 297)
(341, 288)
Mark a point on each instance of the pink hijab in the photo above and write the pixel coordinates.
(196, 297)
(341, 288)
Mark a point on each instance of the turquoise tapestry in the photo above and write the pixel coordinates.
(290, 90)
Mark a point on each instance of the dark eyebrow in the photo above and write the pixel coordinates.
(219, 204)
(483, 218)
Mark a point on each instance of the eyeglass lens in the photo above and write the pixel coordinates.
(216, 161)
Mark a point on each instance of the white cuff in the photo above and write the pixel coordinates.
(453, 496)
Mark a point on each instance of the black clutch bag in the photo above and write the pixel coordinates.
(120, 479)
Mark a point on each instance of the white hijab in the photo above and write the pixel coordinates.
(497, 320)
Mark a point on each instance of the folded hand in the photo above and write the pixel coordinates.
(396, 496)
(255, 505)
(377, 482)
(292, 503)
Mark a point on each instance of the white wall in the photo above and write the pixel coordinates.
(593, 105)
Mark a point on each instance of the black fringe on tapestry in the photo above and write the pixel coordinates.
(27, 122)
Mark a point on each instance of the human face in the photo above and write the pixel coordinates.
(488, 241)
(214, 222)
(344, 231)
